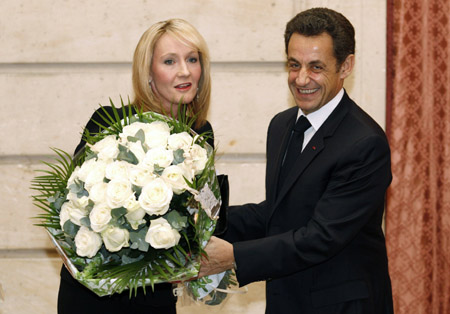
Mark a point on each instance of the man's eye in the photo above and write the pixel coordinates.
(317, 68)
(293, 65)
(168, 62)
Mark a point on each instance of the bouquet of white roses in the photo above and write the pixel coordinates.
(136, 206)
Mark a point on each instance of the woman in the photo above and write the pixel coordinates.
(170, 67)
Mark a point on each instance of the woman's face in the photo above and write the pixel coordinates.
(175, 72)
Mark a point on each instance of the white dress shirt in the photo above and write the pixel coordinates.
(318, 117)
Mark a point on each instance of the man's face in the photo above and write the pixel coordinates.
(314, 78)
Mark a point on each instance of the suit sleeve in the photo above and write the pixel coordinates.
(245, 222)
(355, 193)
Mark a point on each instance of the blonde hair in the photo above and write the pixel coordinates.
(142, 61)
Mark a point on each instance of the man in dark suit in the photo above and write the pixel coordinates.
(317, 239)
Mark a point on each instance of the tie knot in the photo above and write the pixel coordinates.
(302, 125)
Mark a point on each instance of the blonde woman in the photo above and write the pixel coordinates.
(170, 67)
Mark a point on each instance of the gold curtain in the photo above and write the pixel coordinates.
(418, 126)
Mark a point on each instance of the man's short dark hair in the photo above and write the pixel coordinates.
(316, 21)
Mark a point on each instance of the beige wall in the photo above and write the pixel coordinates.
(60, 59)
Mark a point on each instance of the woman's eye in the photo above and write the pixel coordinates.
(192, 60)
(168, 62)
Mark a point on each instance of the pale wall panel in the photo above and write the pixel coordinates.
(30, 285)
(247, 180)
(108, 30)
(51, 108)
(17, 230)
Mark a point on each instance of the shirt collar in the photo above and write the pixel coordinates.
(318, 117)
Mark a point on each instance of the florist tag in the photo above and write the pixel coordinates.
(210, 204)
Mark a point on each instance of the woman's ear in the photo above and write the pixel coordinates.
(347, 66)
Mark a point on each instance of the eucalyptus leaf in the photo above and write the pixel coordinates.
(59, 202)
(70, 228)
(137, 190)
(116, 213)
(176, 220)
(178, 157)
(127, 260)
(138, 238)
(85, 221)
(126, 155)
(140, 135)
(157, 169)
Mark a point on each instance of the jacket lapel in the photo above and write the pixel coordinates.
(314, 147)
(279, 155)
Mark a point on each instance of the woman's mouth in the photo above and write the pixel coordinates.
(183, 87)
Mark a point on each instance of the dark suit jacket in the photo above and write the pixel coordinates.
(318, 241)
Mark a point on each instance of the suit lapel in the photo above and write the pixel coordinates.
(275, 171)
(314, 147)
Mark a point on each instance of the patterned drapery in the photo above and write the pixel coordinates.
(418, 126)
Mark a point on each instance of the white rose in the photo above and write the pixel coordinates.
(100, 216)
(180, 141)
(86, 168)
(107, 148)
(63, 216)
(175, 177)
(140, 176)
(161, 235)
(97, 192)
(117, 170)
(117, 192)
(96, 175)
(79, 202)
(75, 213)
(135, 214)
(73, 176)
(156, 134)
(158, 156)
(115, 238)
(132, 129)
(87, 242)
(198, 156)
(137, 150)
(155, 197)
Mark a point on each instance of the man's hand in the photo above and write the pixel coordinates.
(220, 257)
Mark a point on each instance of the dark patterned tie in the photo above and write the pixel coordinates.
(294, 147)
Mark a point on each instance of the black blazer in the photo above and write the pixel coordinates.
(318, 241)
(73, 297)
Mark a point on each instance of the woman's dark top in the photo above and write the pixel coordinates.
(74, 298)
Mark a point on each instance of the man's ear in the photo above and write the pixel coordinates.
(347, 66)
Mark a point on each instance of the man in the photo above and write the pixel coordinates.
(317, 238)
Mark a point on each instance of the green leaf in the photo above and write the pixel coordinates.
(176, 220)
(116, 213)
(140, 135)
(126, 155)
(70, 228)
(157, 169)
(178, 157)
(85, 221)
(138, 239)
